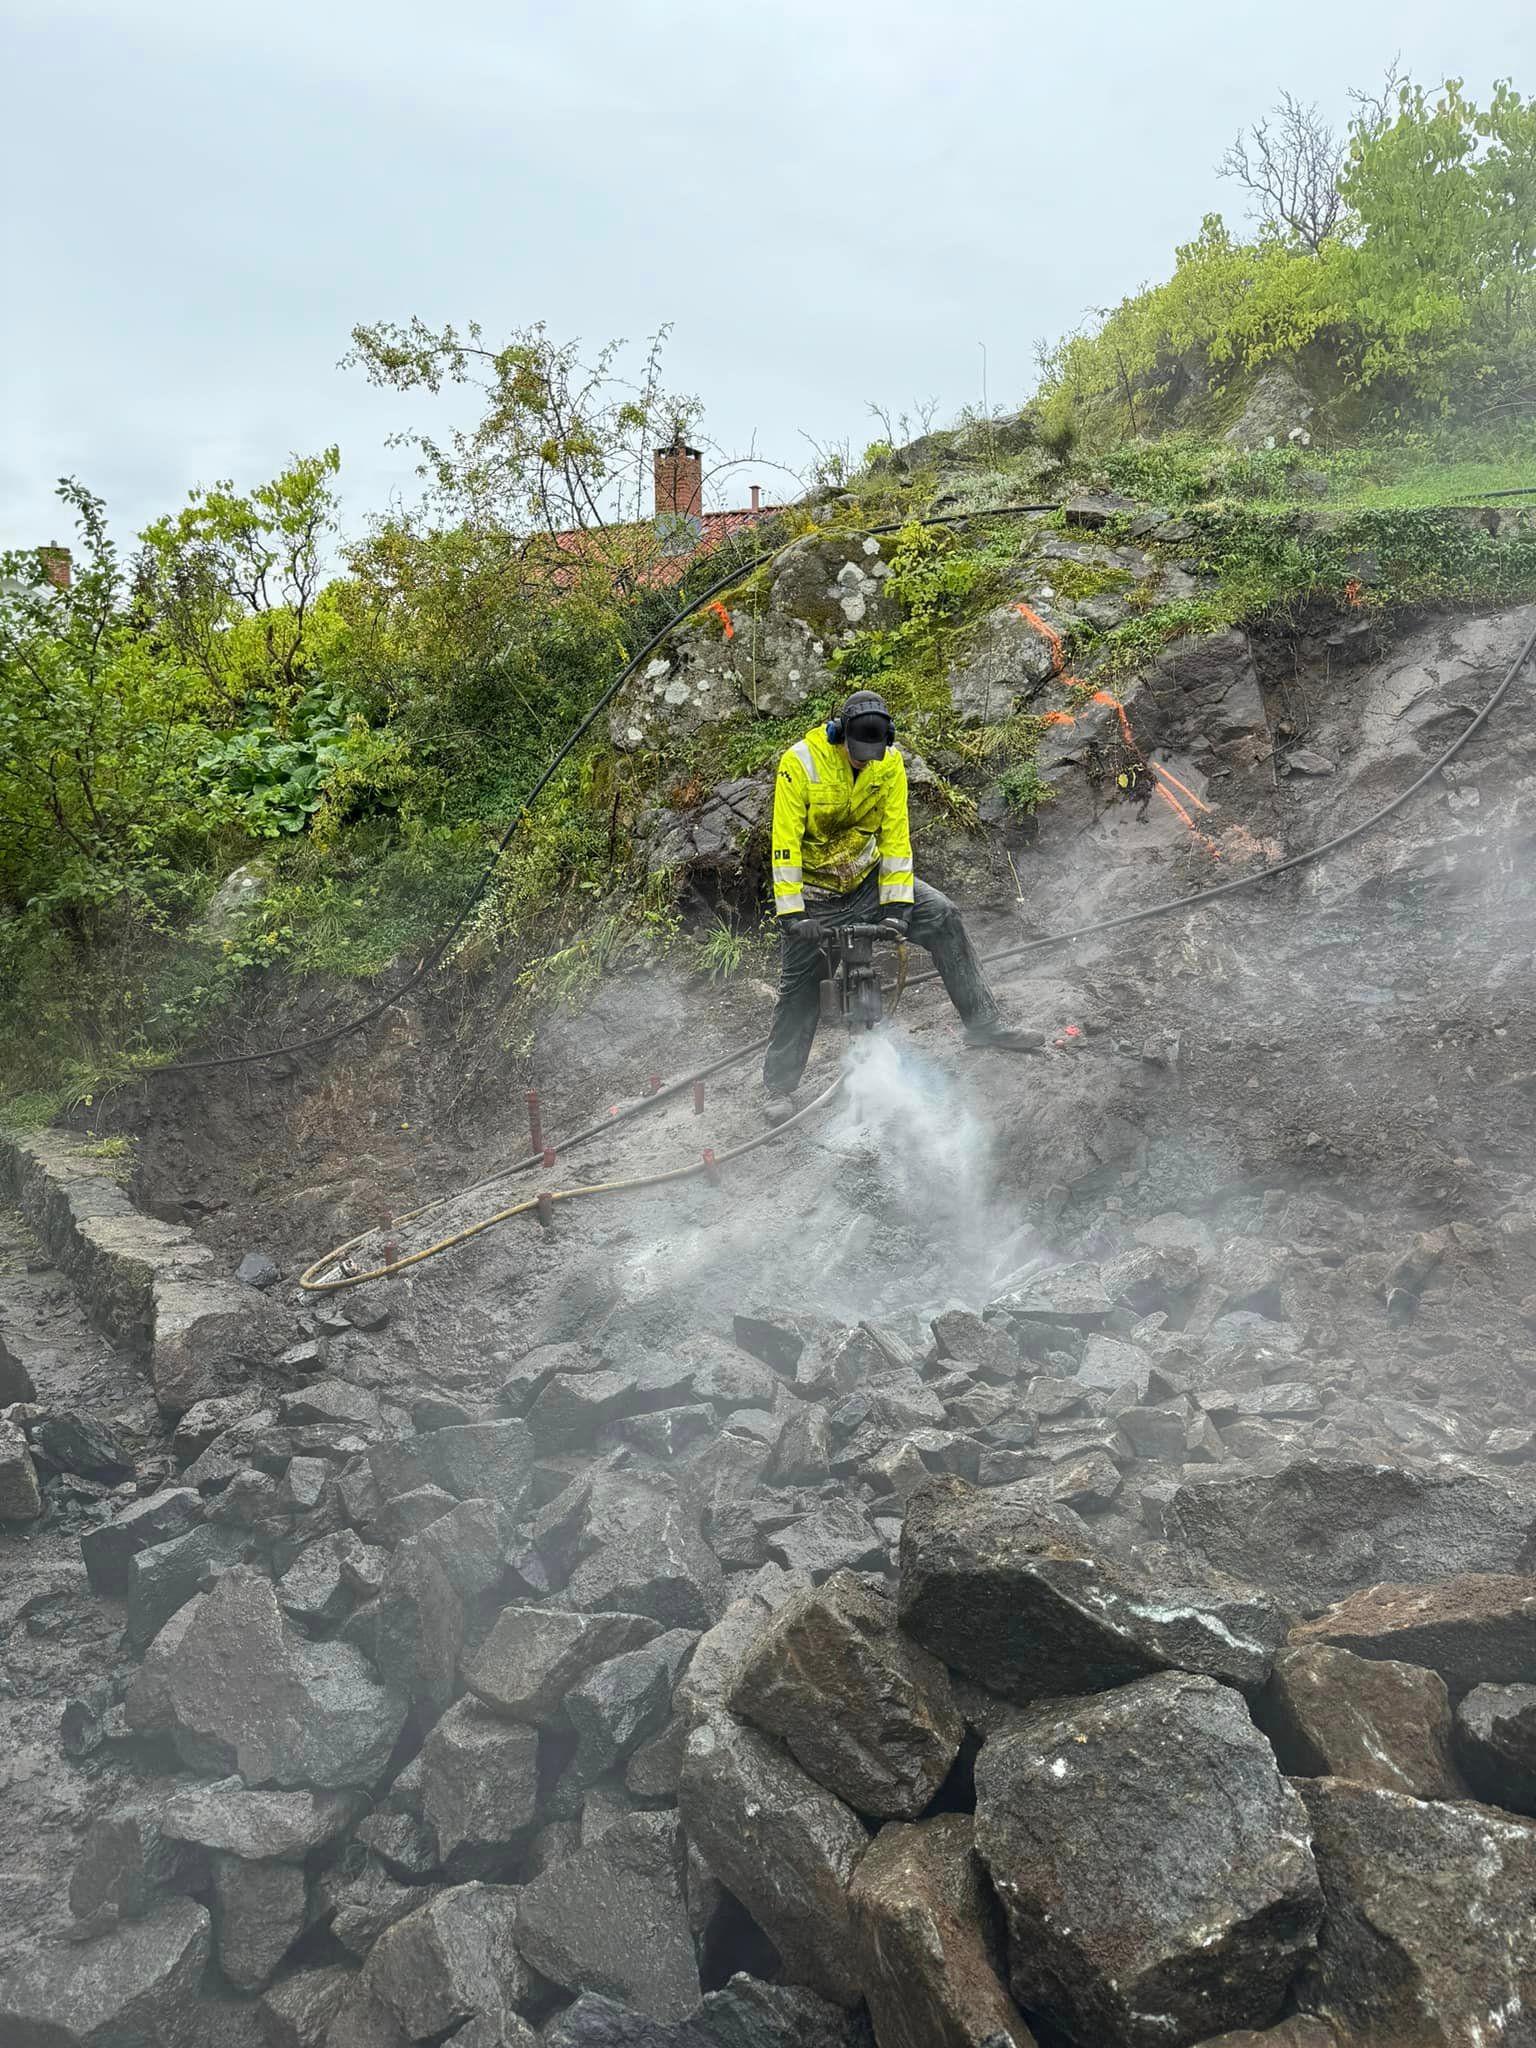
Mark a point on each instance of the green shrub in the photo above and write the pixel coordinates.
(1023, 789)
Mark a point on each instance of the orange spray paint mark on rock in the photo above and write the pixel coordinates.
(720, 612)
(1047, 633)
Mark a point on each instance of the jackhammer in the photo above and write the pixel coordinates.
(851, 988)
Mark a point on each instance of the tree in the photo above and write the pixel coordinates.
(231, 582)
(1445, 261)
(1290, 162)
(99, 736)
(562, 448)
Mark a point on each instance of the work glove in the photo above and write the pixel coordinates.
(806, 929)
(898, 914)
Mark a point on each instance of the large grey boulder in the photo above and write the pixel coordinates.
(21, 1498)
(418, 1625)
(1313, 1532)
(451, 1959)
(133, 1988)
(867, 1712)
(706, 1684)
(208, 1335)
(617, 1706)
(1496, 1744)
(646, 1556)
(929, 1940)
(534, 1656)
(258, 1915)
(228, 1816)
(781, 1845)
(836, 1536)
(1479, 1629)
(108, 1548)
(714, 837)
(471, 1460)
(479, 1782)
(236, 1689)
(1429, 1936)
(164, 1577)
(1151, 1861)
(297, 2011)
(614, 1919)
(1020, 1598)
(1331, 1714)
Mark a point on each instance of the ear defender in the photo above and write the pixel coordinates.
(834, 730)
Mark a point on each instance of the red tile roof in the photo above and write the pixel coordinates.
(654, 562)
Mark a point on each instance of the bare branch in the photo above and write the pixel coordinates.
(1290, 162)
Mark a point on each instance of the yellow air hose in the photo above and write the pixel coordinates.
(310, 1281)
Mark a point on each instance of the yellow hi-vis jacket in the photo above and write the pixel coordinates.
(830, 826)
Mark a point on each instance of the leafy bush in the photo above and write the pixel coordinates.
(278, 780)
(1024, 789)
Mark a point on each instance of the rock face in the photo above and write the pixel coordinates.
(1479, 1629)
(1013, 1596)
(1314, 1533)
(714, 837)
(1429, 1935)
(1279, 409)
(133, 1987)
(929, 1951)
(781, 1845)
(1331, 1714)
(818, 593)
(614, 1919)
(865, 1711)
(1152, 1864)
(234, 1688)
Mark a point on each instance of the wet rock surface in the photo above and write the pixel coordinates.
(1151, 1861)
(929, 1944)
(1331, 1714)
(859, 1706)
(1396, 1959)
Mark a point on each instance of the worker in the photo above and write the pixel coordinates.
(842, 854)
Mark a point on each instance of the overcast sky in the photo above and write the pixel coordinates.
(832, 200)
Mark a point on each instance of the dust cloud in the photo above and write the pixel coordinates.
(889, 1203)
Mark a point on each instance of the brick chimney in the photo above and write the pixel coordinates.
(679, 481)
(56, 566)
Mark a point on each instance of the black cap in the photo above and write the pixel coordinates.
(867, 726)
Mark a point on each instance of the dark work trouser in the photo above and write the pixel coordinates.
(936, 925)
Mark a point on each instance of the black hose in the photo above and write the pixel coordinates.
(439, 948)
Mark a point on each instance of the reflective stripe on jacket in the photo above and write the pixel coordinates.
(831, 827)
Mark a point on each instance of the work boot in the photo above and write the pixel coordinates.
(997, 1036)
(778, 1109)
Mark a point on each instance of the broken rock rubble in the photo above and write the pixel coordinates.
(791, 1660)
